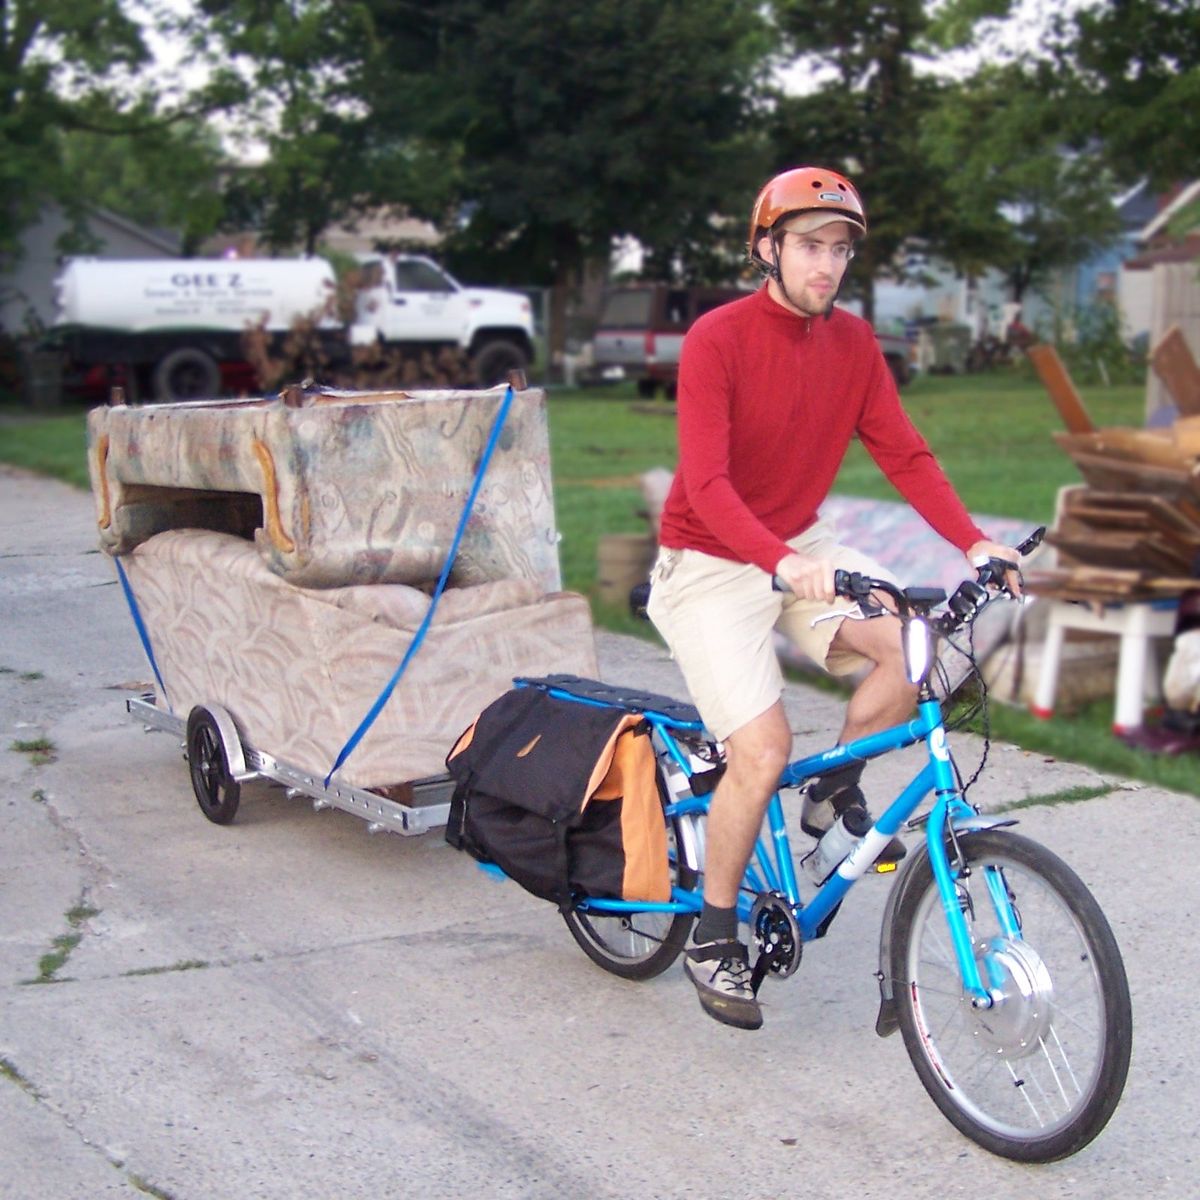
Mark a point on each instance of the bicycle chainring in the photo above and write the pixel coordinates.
(776, 935)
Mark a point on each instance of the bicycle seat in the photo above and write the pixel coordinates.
(674, 712)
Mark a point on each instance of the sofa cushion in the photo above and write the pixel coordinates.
(298, 671)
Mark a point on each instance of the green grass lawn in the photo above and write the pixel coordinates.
(54, 446)
(992, 434)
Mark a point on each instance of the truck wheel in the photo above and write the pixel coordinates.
(493, 361)
(187, 374)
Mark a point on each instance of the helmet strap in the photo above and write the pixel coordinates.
(773, 271)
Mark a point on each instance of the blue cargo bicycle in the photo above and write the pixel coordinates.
(995, 963)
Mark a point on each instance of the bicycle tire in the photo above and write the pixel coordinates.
(638, 945)
(1036, 1077)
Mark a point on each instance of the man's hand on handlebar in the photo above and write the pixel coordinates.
(1002, 564)
(809, 578)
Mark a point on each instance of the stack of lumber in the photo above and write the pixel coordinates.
(1132, 531)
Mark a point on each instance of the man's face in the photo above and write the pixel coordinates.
(812, 265)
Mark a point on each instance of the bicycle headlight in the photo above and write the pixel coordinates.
(916, 649)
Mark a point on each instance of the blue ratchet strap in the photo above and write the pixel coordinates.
(415, 644)
(142, 632)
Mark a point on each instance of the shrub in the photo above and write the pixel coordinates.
(1095, 349)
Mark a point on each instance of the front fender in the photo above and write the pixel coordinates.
(887, 1022)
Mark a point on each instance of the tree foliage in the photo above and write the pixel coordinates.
(565, 126)
(534, 133)
(167, 176)
(1017, 196)
(1136, 69)
(291, 70)
(864, 114)
(64, 65)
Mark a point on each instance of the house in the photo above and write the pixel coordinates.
(1160, 285)
(27, 290)
(1154, 245)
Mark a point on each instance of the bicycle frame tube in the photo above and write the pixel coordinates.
(772, 867)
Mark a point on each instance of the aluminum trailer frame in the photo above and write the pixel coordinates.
(431, 797)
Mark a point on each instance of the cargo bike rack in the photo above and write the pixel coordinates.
(219, 762)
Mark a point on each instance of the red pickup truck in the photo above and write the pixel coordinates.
(641, 330)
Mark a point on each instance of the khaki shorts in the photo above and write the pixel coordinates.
(719, 617)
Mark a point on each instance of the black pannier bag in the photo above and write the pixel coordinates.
(563, 797)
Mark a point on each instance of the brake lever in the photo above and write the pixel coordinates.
(993, 571)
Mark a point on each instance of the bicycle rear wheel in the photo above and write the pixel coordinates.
(639, 945)
(1038, 1075)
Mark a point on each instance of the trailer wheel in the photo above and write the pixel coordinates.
(217, 791)
(187, 374)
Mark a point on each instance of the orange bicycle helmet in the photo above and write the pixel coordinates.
(803, 189)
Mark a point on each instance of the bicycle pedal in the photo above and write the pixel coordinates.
(882, 868)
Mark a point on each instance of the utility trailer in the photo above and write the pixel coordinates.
(219, 762)
(279, 554)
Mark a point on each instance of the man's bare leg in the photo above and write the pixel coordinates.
(883, 698)
(754, 756)
(718, 963)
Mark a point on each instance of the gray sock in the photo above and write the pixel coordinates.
(716, 924)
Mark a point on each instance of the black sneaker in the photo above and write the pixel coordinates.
(721, 973)
(817, 816)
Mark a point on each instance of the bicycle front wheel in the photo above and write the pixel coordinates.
(639, 945)
(1036, 1076)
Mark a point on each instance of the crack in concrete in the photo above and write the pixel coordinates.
(10, 1071)
(440, 937)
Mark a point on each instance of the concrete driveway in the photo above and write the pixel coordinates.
(289, 1008)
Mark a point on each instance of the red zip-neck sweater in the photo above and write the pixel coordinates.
(768, 402)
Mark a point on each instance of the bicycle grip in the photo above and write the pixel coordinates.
(843, 584)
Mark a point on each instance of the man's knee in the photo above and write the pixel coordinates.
(877, 640)
(760, 751)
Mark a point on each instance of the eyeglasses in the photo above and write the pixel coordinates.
(840, 252)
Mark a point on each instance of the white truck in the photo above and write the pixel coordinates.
(175, 326)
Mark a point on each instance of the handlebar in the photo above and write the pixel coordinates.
(964, 605)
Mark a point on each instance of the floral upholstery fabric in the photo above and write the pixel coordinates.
(298, 668)
(337, 488)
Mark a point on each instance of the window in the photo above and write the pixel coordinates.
(627, 309)
(420, 277)
(677, 307)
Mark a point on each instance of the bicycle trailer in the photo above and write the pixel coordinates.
(281, 556)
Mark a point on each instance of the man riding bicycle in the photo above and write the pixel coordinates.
(772, 389)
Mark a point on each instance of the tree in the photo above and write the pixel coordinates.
(865, 113)
(290, 69)
(64, 65)
(167, 176)
(562, 127)
(1135, 67)
(1018, 196)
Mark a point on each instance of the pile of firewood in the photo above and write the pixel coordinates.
(1132, 530)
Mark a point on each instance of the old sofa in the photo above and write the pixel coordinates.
(281, 553)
